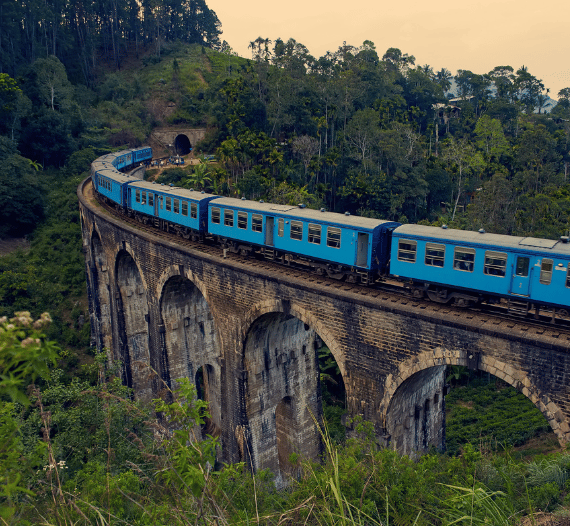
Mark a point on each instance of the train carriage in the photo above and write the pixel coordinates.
(175, 208)
(468, 267)
(112, 185)
(142, 154)
(343, 243)
(123, 159)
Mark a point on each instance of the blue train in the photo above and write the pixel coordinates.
(444, 265)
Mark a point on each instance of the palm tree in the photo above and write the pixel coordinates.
(443, 78)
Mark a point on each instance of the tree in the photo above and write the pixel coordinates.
(537, 157)
(503, 78)
(528, 89)
(52, 85)
(306, 148)
(397, 60)
(21, 196)
(494, 206)
(461, 155)
(47, 139)
(490, 138)
(362, 133)
(443, 78)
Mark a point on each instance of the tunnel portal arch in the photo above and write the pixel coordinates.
(182, 144)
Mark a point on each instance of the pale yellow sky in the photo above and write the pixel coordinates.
(474, 35)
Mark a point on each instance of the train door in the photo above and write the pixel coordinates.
(362, 250)
(520, 282)
(269, 224)
(155, 206)
(128, 199)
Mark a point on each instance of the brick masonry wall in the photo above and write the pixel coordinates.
(256, 323)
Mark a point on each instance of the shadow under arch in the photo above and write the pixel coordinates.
(101, 322)
(506, 372)
(281, 389)
(132, 320)
(189, 341)
(286, 307)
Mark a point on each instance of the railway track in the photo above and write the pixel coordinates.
(392, 291)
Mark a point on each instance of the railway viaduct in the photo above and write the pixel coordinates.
(170, 309)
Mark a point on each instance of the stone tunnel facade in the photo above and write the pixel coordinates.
(249, 336)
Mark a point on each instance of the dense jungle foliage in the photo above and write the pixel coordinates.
(373, 134)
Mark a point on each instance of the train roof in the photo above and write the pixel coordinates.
(115, 175)
(174, 190)
(296, 212)
(443, 235)
(104, 164)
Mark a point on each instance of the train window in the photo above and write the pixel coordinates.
(333, 237)
(280, 227)
(435, 254)
(522, 266)
(297, 230)
(495, 263)
(568, 277)
(228, 218)
(143, 198)
(464, 259)
(184, 208)
(256, 223)
(407, 250)
(194, 210)
(138, 196)
(176, 206)
(315, 234)
(150, 199)
(216, 215)
(242, 220)
(168, 204)
(546, 271)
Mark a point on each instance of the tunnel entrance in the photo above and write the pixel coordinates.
(182, 145)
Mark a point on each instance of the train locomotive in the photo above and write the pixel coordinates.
(444, 265)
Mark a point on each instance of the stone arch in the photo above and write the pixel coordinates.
(125, 246)
(179, 270)
(269, 306)
(101, 290)
(506, 372)
(133, 317)
(280, 363)
(189, 339)
(182, 145)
